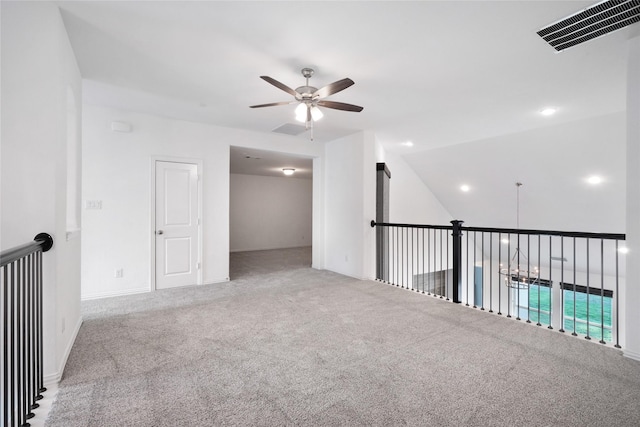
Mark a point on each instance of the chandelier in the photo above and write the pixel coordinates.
(517, 274)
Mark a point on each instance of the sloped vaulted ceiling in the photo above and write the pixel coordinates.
(437, 73)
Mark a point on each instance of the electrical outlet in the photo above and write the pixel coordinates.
(119, 273)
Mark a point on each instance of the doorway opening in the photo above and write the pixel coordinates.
(270, 212)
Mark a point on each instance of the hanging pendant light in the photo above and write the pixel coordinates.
(517, 274)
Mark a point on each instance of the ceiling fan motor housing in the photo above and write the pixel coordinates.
(305, 93)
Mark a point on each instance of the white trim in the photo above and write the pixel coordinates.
(41, 413)
(116, 293)
(216, 281)
(200, 166)
(55, 377)
(270, 248)
(317, 218)
(631, 354)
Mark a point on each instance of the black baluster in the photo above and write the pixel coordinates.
(616, 296)
(467, 271)
(518, 282)
(446, 275)
(473, 269)
(499, 280)
(574, 288)
(561, 284)
(41, 388)
(20, 343)
(404, 267)
(12, 340)
(31, 341)
(411, 271)
(429, 261)
(446, 290)
(602, 341)
(509, 278)
(539, 287)
(529, 281)
(423, 269)
(588, 337)
(397, 252)
(6, 346)
(491, 272)
(482, 272)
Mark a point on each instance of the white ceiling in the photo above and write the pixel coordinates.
(437, 73)
(249, 161)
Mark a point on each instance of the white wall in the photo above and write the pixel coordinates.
(633, 200)
(117, 172)
(350, 202)
(349, 189)
(410, 200)
(39, 74)
(269, 212)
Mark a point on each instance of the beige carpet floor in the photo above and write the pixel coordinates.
(290, 345)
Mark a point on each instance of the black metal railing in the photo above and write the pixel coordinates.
(569, 281)
(21, 300)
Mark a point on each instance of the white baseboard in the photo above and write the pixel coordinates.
(115, 293)
(55, 377)
(631, 354)
(270, 248)
(214, 281)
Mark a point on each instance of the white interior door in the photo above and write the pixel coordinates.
(176, 230)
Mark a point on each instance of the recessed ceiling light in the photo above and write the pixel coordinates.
(548, 111)
(408, 144)
(288, 171)
(464, 188)
(594, 180)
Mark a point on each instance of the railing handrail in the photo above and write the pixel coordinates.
(583, 234)
(42, 241)
(389, 224)
(439, 263)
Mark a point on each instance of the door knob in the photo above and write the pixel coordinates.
(159, 232)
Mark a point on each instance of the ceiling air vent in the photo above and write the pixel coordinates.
(290, 129)
(595, 21)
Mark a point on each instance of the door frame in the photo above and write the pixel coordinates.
(152, 235)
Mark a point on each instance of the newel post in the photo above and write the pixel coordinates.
(457, 260)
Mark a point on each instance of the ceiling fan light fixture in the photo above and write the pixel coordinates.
(316, 114)
(301, 112)
(310, 98)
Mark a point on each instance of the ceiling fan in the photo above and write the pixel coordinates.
(310, 98)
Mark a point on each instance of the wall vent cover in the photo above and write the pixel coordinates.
(595, 21)
(290, 129)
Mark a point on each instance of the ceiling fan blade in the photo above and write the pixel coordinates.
(332, 88)
(279, 85)
(340, 106)
(272, 104)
